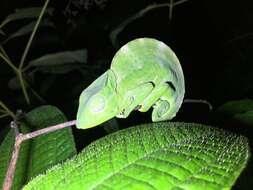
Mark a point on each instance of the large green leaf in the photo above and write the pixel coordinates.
(50, 149)
(40, 153)
(160, 156)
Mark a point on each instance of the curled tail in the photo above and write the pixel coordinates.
(169, 103)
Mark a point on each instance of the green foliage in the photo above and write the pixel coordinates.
(240, 111)
(40, 153)
(218, 67)
(153, 156)
(61, 62)
(55, 63)
(236, 107)
(27, 29)
(26, 13)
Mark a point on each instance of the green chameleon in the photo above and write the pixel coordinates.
(144, 73)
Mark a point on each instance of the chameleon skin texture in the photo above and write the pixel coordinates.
(144, 73)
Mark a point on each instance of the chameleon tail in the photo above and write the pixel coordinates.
(168, 105)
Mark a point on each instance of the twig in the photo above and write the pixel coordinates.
(199, 101)
(14, 157)
(114, 33)
(7, 110)
(47, 130)
(32, 35)
(19, 138)
(171, 9)
(23, 87)
(8, 61)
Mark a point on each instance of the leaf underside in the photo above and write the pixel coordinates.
(158, 156)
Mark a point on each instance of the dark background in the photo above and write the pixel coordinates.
(212, 38)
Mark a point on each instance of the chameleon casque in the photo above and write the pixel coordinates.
(144, 73)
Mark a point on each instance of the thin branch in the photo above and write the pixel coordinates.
(12, 165)
(2, 111)
(199, 101)
(4, 23)
(14, 158)
(47, 130)
(171, 9)
(4, 115)
(32, 35)
(121, 27)
(23, 87)
(180, 2)
(8, 61)
(4, 52)
(7, 110)
(114, 33)
(35, 93)
(18, 141)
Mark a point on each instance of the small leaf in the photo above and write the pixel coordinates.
(245, 118)
(28, 29)
(31, 12)
(60, 69)
(61, 62)
(162, 156)
(238, 111)
(234, 107)
(61, 58)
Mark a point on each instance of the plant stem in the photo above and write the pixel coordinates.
(22, 84)
(4, 23)
(7, 110)
(199, 101)
(47, 130)
(13, 162)
(4, 115)
(32, 35)
(4, 52)
(171, 9)
(18, 141)
(8, 61)
(180, 2)
(113, 35)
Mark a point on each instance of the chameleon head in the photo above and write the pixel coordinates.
(98, 102)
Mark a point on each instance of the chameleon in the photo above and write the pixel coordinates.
(144, 73)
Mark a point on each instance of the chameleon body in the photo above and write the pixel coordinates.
(144, 73)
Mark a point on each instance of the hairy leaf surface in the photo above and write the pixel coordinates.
(160, 156)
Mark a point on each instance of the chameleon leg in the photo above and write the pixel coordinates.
(152, 98)
(134, 97)
(163, 100)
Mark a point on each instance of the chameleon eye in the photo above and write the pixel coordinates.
(97, 104)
